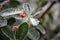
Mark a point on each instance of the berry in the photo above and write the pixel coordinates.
(23, 14)
(15, 27)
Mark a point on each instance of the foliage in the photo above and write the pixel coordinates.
(31, 26)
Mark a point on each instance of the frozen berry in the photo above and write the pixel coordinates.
(23, 14)
(15, 27)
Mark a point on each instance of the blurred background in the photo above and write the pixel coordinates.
(50, 20)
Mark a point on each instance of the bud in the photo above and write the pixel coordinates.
(23, 14)
(15, 27)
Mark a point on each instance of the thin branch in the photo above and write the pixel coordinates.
(45, 9)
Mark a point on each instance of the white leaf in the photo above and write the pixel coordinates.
(34, 21)
(33, 34)
(41, 29)
(36, 13)
(32, 7)
(11, 11)
(21, 19)
(3, 22)
(16, 17)
(26, 8)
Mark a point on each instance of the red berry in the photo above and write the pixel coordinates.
(23, 14)
(15, 27)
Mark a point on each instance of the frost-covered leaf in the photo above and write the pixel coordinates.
(8, 32)
(11, 11)
(2, 36)
(41, 29)
(22, 31)
(21, 19)
(33, 34)
(34, 21)
(3, 21)
(26, 8)
(32, 7)
(37, 13)
(18, 18)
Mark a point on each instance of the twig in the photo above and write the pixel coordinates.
(45, 10)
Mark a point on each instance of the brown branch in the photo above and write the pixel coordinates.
(45, 10)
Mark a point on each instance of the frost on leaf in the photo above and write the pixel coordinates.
(34, 21)
(33, 34)
(3, 21)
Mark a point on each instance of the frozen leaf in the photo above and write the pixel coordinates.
(21, 19)
(37, 13)
(22, 31)
(32, 7)
(11, 11)
(3, 21)
(29, 8)
(41, 29)
(2, 36)
(26, 8)
(16, 17)
(34, 21)
(33, 34)
(8, 32)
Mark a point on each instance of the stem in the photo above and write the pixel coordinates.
(14, 35)
(45, 10)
